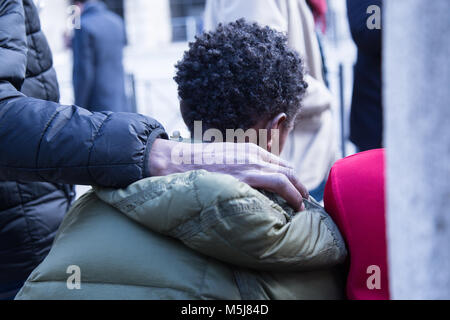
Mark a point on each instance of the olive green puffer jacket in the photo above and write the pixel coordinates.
(195, 235)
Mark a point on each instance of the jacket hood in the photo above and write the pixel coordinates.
(225, 219)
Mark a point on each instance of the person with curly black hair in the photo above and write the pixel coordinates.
(241, 76)
(312, 145)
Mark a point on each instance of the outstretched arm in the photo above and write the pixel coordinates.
(45, 141)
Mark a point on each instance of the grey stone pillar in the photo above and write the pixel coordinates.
(417, 116)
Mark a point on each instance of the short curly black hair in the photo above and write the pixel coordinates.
(237, 75)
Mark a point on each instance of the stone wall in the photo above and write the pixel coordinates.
(417, 116)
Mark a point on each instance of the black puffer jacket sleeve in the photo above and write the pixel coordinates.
(45, 141)
(13, 47)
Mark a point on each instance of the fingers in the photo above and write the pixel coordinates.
(277, 183)
(293, 178)
(247, 162)
(271, 158)
(289, 173)
(287, 178)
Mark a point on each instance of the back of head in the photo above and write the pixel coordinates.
(238, 75)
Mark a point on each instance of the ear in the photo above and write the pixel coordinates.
(274, 126)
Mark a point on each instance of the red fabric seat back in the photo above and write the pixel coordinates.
(355, 199)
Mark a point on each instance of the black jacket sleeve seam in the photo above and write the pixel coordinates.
(92, 147)
(47, 126)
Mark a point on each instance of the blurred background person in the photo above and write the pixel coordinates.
(366, 119)
(98, 72)
(312, 145)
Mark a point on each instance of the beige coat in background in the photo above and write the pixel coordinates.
(312, 145)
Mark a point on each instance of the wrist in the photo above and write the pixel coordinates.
(159, 158)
